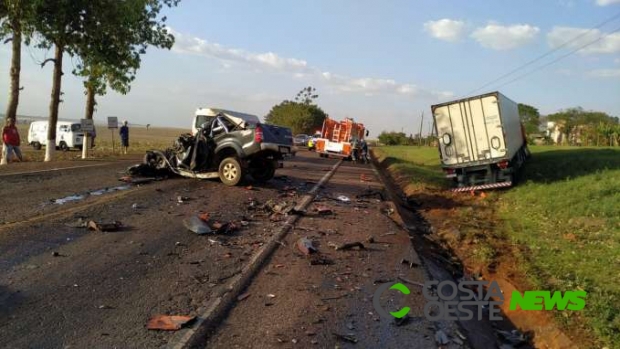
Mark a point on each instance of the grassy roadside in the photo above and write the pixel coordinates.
(140, 140)
(563, 221)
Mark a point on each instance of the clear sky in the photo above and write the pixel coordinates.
(382, 62)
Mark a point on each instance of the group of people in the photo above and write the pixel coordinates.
(359, 151)
(11, 140)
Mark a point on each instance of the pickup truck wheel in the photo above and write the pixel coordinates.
(63, 146)
(264, 172)
(230, 171)
(36, 146)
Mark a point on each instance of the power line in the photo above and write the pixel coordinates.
(612, 18)
(559, 58)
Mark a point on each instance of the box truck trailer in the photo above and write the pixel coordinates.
(482, 143)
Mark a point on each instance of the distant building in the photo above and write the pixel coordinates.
(554, 131)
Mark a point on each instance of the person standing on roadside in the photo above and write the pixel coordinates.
(124, 133)
(10, 141)
(364, 148)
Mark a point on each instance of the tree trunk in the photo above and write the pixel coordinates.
(90, 110)
(56, 85)
(16, 59)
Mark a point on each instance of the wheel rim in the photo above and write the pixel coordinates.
(230, 172)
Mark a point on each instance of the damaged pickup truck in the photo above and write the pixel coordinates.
(224, 144)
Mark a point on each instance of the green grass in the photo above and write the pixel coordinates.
(420, 163)
(565, 216)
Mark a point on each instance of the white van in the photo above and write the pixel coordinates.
(68, 135)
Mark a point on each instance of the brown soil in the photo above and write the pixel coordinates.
(458, 235)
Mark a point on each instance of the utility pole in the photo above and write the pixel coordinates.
(420, 133)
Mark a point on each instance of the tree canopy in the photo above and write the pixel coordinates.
(530, 117)
(301, 116)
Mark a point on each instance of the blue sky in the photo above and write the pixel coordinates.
(380, 62)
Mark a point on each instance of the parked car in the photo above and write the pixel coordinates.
(68, 135)
(227, 145)
(300, 139)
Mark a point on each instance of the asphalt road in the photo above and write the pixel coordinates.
(65, 286)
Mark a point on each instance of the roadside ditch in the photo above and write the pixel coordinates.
(454, 235)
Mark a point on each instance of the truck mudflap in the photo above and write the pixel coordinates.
(483, 187)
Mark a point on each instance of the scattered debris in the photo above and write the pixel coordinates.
(365, 178)
(306, 246)
(411, 282)
(105, 307)
(243, 296)
(388, 211)
(320, 260)
(135, 206)
(371, 193)
(457, 340)
(441, 338)
(343, 198)
(402, 321)
(410, 264)
(347, 338)
(324, 210)
(382, 281)
(271, 295)
(182, 199)
(513, 337)
(168, 323)
(370, 239)
(80, 223)
(104, 227)
(336, 297)
(350, 245)
(56, 254)
(197, 225)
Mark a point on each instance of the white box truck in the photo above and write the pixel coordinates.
(482, 142)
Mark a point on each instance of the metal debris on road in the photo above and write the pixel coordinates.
(350, 245)
(411, 282)
(324, 210)
(371, 193)
(441, 338)
(168, 322)
(306, 246)
(513, 337)
(343, 198)
(104, 227)
(243, 296)
(348, 338)
(320, 260)
(197, 225)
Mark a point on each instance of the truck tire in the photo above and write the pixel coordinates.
(264, 172)
(36, 145)
(230, 171)
(63, 146)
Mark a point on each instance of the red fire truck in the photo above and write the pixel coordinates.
(336, 137)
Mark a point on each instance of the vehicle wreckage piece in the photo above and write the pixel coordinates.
(168, 322)
(225, 147)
